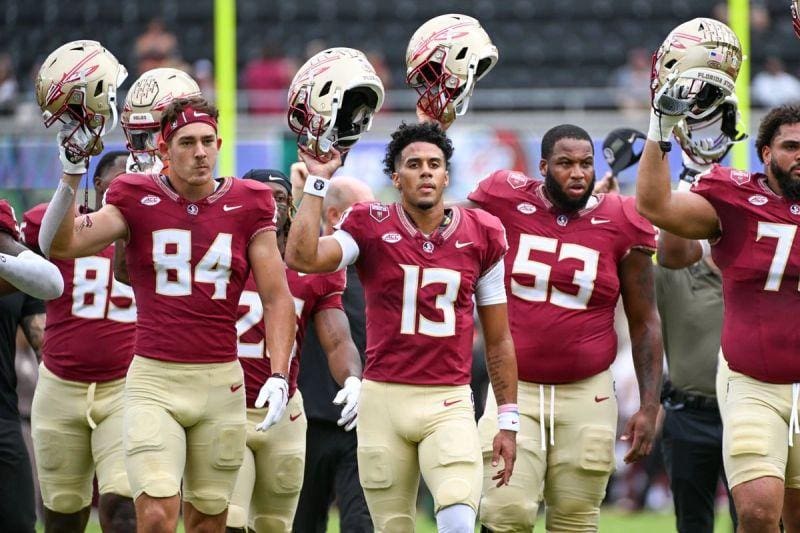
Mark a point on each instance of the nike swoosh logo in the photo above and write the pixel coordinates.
(599, 399)
(230, 207)
(599, 220)
(462, 244)
(292, 418)
(448, 403)
(234, 388)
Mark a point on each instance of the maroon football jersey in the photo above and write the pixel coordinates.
(312, 293)
(90, 328)
(188, 263)
(562, 275)
(8, 222)
(419, 290)
(759, 256)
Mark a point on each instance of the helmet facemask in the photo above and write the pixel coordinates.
(708, 140)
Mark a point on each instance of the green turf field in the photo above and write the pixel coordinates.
(611, 521)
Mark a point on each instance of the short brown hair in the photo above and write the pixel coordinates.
(197, 103)
(771, 123)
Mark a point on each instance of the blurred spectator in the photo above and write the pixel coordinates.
(156, 47)
(632, 81)
(8, 85)
(204, 76)
(773, 86)
(266, 79)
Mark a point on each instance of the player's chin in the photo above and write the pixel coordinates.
(425, 203)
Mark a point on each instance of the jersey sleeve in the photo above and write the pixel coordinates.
(640, 232)
(356, 222)
(118, 194)
(8, 222)
(713, 185)
(485, 191)
(331, 287)
(31, 224)
(497, 244)
(265, 213)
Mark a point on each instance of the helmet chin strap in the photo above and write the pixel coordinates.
(463, 104)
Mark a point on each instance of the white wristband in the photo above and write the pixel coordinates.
(661, 126)
(316, 186)
(508, 420)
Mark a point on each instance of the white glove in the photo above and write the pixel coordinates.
(349, 395)
(73, 163)
(275, 392)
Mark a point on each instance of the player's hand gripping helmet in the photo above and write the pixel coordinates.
(709, 139)
(146, 101)
(332, 100)
(77, 85)
(695, 68)
(445, 58)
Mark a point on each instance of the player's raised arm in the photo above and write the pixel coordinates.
(685, 84)
(20, 268)
(306, 251)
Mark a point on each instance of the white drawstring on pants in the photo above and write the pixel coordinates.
(542, 435)
(794, 422)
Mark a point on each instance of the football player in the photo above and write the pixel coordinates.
(76, 414)
(421, 265)
(572, 255)
(751, 219)
(18, 309)
(268, 486)
(191, 242)
(20, 268)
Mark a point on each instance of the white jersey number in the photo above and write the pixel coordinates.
(90, 295)
(540, 290)
(445, 302)
(172, 255)
(785, 235)
(255, 314)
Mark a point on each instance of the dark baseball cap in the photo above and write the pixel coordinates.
(269, 175)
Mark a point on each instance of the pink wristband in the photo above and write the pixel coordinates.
(508, 408)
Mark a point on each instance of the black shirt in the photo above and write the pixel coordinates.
(13, 308)
(315, 381)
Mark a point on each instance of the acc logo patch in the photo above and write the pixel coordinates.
(391, 238)
(757, 199)
(526, 209)
(379, 212)
(740, 177)
(517, 180)
(150, 200)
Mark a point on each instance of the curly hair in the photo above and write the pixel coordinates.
(427, 132)
(771, 123)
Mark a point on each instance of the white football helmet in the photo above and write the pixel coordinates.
(78, 83)
(708, 140)
(445, 58)
(700, 61)
(144, 104)
(332, 100)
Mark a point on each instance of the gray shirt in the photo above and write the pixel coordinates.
(690, 304)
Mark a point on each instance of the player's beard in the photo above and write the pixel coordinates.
(561, 199)
(790, 186)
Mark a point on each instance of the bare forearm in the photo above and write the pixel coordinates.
(280, 332)
(653, 189)
(647, 353)
(344, 362)
(677, 252)
(120, 263)
(301, 246)
(33, 327)
(501, 364)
